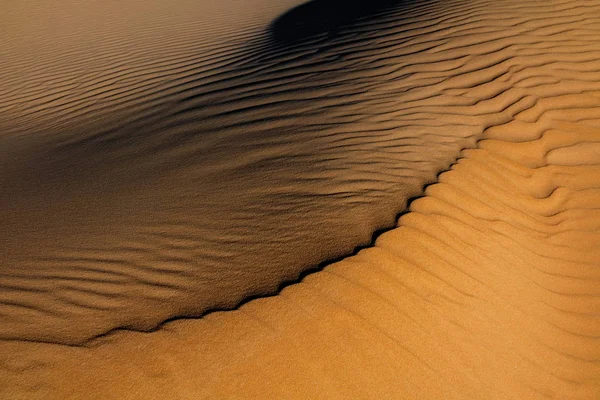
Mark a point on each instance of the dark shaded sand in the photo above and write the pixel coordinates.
(489, 288)
(331, 18)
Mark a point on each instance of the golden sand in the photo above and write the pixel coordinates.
(488, 288)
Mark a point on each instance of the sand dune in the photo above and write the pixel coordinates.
(237, 172)
(138, 208)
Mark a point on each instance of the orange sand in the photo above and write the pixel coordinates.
(488, 288)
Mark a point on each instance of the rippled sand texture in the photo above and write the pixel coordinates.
(160, 160)
(488, 288)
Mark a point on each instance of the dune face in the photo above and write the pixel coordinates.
(148, 190)
(157, 165)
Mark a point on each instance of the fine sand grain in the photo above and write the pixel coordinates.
(211, 186)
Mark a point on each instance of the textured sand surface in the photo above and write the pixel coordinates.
(167, 169)
(488, 288)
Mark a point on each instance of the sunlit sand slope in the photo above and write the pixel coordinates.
(489, 288)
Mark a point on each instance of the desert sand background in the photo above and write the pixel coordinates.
(189, 192)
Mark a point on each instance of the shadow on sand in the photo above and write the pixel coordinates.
(325, 17)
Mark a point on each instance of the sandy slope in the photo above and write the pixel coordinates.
(157, 169)
(488, 287)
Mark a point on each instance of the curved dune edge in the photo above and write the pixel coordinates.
(489, 288)
(240, 162)
(331, 137)
(243, 175)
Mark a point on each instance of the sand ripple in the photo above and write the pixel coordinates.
(488, 287)
(169, 181)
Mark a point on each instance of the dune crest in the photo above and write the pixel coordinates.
(488, 288)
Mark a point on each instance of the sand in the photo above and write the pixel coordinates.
(487, 288)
